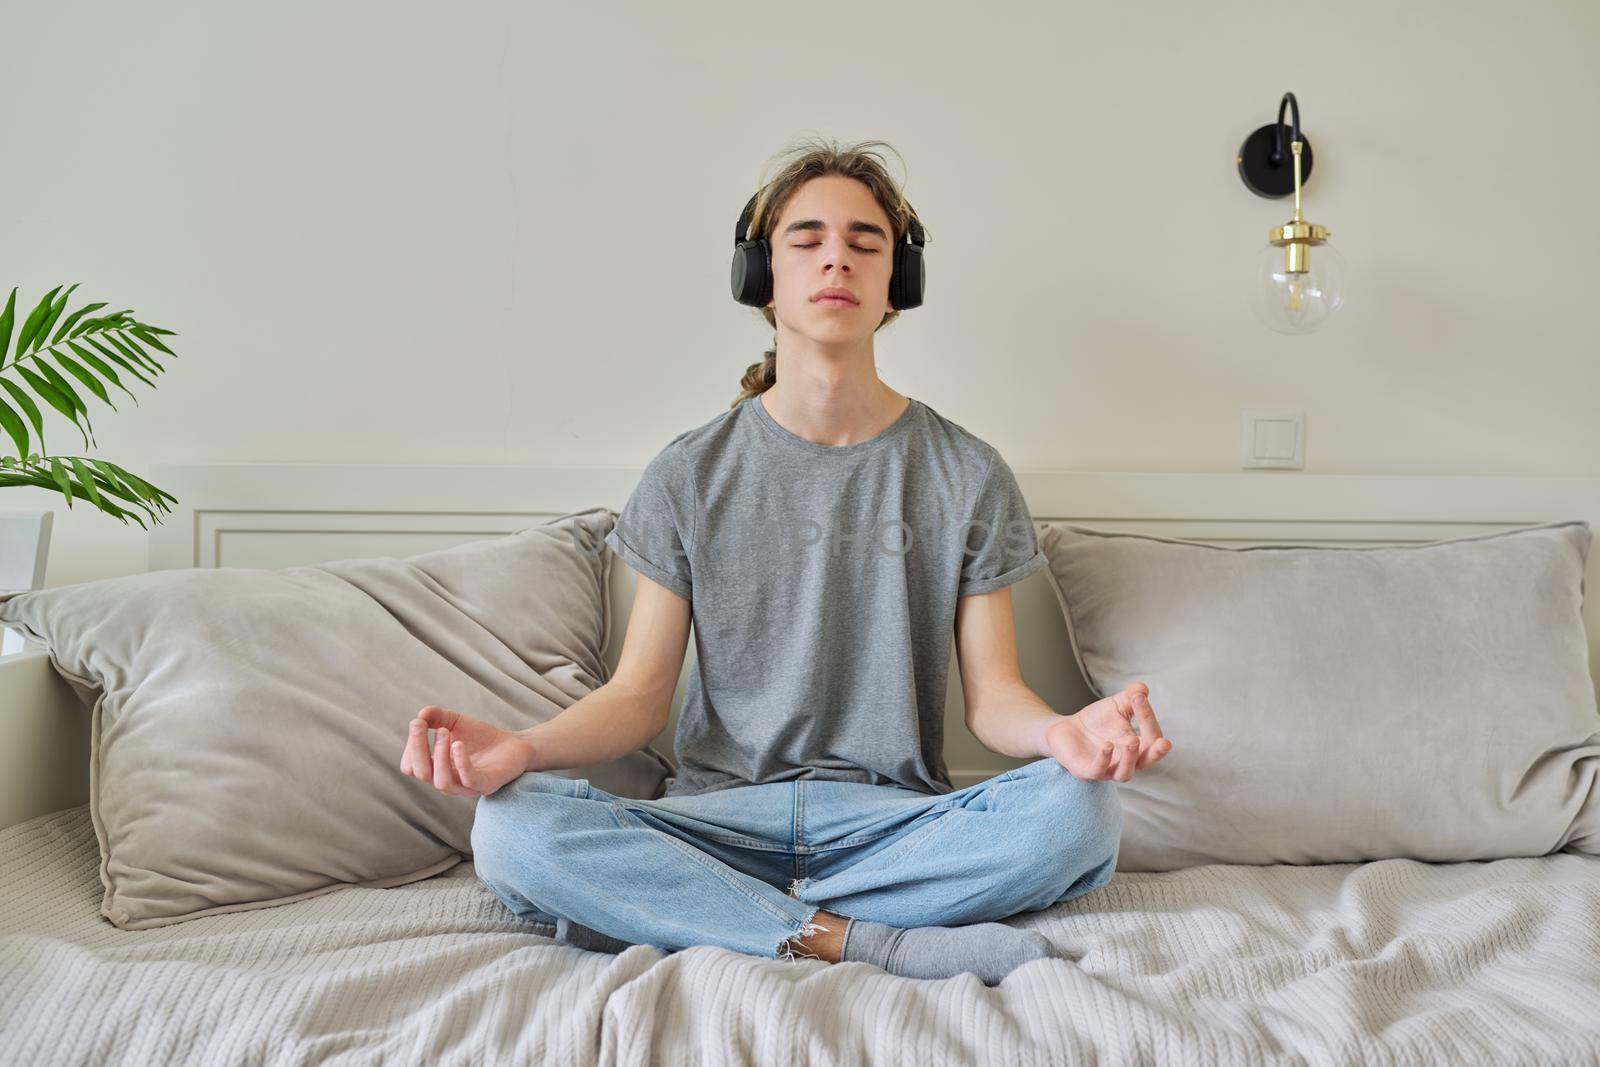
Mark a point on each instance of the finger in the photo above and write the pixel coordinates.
(435, 716)
(465, 772)
(1127, 756)
(1125, 744)
(1103, 761)
(417, 751)
(1149, 731)
(444, 779)
(1155, 753)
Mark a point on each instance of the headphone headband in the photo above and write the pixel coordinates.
(914, 229)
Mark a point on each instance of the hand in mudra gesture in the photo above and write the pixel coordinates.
(469, 757)
(1099, 742)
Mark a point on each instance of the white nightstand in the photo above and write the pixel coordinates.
(24, 548)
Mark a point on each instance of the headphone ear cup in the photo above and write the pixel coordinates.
(906, 286)
(752, 276)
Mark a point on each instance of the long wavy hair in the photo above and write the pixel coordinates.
(813, 159)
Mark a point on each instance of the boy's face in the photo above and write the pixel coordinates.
(825, 253)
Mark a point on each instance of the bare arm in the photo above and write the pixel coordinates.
(470, 757)
(1002, 712)
(626, 712)
(1008, 717)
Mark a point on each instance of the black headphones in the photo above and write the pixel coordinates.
(752, 265)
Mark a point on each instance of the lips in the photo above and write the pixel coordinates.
(835, 296)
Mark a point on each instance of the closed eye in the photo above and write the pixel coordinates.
(858, 248)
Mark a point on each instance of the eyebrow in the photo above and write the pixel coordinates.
(856, 226)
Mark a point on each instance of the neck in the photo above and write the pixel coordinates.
(830, 394)
(830, 407)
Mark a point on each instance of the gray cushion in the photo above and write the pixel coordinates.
(1337, 705)
(248, 724)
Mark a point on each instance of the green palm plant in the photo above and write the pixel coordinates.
(115, 338)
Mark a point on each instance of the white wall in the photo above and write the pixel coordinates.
(500, 233)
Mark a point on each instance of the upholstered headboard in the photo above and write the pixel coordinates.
(265, 515)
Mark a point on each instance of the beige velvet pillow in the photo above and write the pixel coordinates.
(1337, 705)
(249, 723)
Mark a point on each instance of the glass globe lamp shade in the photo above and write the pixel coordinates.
(1296, 302)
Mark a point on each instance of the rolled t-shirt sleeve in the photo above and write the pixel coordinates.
(1000, 545)
(654, 534)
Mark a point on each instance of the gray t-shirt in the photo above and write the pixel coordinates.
(823, 582)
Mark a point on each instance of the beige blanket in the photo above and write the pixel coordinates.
(1393, 962)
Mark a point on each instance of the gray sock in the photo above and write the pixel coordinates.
(581, 936)
(989, 950)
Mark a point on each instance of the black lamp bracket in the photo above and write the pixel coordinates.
(1266, 160)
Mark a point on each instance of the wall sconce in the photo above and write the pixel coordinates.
(1295, 290)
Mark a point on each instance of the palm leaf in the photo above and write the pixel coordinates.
(85, 377)
(134, 352)
(123, 338)
(59, 473)
(121, 359)
(150, 339)
(61, 385)
(36, 474)
(25, 402)
(55, 313)
(71, 338)
(96, 484)
(14, 426)
(67, 325)
(128, 338)
(6, 318)
(87, 477)
(137, 486)
(53, 398)
(109, 473)
(105, 372)
(31, 326)
(144, 488)
(70, 393)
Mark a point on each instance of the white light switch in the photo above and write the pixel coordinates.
(1274, 439)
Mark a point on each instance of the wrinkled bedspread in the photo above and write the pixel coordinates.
(1391, 962)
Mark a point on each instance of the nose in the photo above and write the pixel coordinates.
(837, 258)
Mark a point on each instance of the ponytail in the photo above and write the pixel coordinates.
(759, 377)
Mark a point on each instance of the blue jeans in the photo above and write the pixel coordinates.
(712, 869)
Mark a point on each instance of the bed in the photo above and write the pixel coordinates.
(1394, 961)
